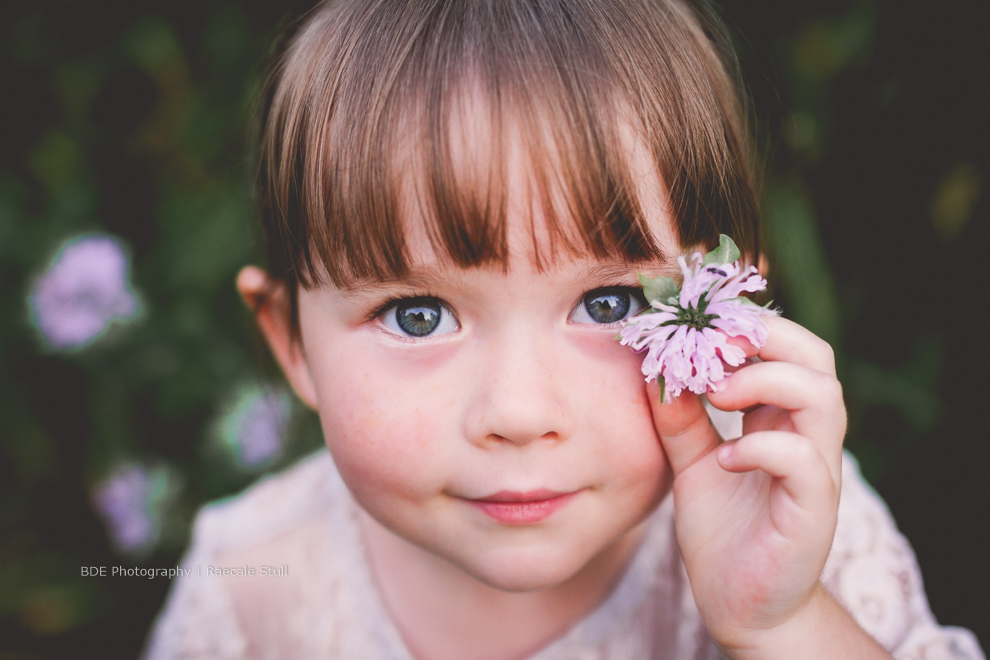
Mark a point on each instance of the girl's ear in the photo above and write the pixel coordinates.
(764, 264)
(268, 300)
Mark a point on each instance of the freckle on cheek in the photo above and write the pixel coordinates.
(376, 427)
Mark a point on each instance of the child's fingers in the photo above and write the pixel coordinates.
(764, 418)
(813, 397)
(686, 432)
(741, 343)
(790, 342)
(790, 457)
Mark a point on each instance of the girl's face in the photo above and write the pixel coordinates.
(490, 417)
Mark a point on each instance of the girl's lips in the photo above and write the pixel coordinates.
(515, 508)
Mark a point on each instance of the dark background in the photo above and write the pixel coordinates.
(129, 119)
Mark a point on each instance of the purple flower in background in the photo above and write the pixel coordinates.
(252, 429)
(679, 330)
(85, 289)
(131, 502)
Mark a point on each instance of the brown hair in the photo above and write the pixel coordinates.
(360, 79)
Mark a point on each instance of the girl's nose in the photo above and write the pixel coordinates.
(520, 397)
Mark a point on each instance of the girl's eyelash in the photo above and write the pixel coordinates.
(624, 288)
(395, 299)
(634, 292)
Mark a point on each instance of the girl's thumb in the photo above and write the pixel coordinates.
(685, 430)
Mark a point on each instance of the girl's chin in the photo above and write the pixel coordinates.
(521, 581)
(524, 571)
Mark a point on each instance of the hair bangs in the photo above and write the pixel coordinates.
(384, 112)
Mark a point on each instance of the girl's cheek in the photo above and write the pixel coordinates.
(615, 405)
(380, 431)
(612, 382)
(598, 346)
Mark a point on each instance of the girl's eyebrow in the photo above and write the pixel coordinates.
(417, 279)
(609, 270)
(619, 269)
(429, 279)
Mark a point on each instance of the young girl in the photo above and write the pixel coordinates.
(458, 196)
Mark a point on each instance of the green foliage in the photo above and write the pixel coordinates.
(804, 272)
(659, 289)
(826, 292)
(725, 253)
(132, 126)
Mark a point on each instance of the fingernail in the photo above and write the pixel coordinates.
(725, 452)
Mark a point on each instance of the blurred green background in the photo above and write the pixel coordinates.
(129, 121)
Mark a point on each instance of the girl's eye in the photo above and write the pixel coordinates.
(419, 317)
(604, 306)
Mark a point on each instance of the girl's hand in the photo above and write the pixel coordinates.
(755, 515)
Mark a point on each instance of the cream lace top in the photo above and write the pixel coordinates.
(318, 598)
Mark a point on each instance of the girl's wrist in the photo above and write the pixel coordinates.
(822, 629)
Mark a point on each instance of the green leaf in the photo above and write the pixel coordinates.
(725, 253)
(662, 382)
(747, 301)
(658, 289)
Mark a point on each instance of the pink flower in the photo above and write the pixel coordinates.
(85, 289)
(132, 502)
(252, 429)
(680, 330)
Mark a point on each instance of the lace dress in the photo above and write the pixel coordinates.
(318, 600)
